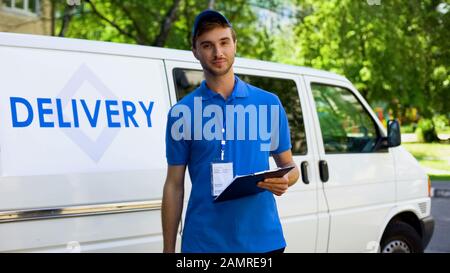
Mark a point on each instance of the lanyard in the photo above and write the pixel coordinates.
(223, 141)
(222, 145)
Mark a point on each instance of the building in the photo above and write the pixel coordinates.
(26, 16)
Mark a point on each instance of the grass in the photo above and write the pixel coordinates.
(434, 156)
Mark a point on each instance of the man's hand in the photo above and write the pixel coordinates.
(277, 186)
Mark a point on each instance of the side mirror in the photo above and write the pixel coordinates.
(394, 136)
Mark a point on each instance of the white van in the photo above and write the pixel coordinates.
(82, 152)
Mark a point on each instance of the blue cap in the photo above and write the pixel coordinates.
(208, 15)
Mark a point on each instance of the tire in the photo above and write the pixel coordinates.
(401, 238)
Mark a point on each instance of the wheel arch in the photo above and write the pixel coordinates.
(408, 215)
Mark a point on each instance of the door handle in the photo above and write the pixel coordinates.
(304, 170)
(323, 170)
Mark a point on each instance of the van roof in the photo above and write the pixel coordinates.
(80, 45)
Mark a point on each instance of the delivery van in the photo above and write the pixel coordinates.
(82, 152)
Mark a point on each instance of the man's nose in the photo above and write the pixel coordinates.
(218, 52)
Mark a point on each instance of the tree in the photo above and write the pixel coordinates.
(396, 52)
(165, 23)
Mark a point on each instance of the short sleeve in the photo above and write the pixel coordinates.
(177, 147)
(282, 133)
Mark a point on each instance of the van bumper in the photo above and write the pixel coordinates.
(427, 225)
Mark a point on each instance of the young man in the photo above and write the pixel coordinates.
(247, 224)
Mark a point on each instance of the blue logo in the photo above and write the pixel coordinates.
(118, 113)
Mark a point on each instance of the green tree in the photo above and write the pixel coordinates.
(163, 23)
(396, 52)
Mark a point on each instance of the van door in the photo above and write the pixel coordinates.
(357, 175)
(298, 207)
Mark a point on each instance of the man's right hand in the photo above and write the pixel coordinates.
(172, 205)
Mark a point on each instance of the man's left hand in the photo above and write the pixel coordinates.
(277, 186)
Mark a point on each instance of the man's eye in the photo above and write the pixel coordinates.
(206, 46)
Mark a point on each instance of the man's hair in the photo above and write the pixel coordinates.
(210, 25)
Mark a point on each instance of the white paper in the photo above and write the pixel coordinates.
(222, 175)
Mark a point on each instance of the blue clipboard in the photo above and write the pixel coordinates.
(246, 184)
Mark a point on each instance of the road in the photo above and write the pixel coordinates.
(440, 209)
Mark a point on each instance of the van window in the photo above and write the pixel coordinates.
(346, 126)
(187, 80)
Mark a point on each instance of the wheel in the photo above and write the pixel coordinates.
(401, 238)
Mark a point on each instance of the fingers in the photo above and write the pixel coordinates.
(275, 180)
(278, 180)
(276, 188)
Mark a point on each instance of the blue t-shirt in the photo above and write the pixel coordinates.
(248, 224)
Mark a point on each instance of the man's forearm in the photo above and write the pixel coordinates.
(293, 176)
(172, 207)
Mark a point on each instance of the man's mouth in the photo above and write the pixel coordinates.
(221, 61)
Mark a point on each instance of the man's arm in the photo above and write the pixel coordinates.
(279, 185)
(172, 205)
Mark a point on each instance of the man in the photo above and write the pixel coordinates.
(247, 224)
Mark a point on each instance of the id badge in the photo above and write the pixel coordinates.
(221, 176)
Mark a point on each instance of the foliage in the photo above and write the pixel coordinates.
(398, 52)
(441, 123)
(426, 131)
(142, 22)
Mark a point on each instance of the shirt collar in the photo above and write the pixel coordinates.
(239, 90)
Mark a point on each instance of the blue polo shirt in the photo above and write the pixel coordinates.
(248, 224)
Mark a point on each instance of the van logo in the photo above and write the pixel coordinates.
(93, 148)
(52, 112)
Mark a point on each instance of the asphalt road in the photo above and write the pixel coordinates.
(440, 209)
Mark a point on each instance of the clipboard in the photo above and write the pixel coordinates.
(245, 185)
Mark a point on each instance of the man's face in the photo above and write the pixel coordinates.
(215, 49)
